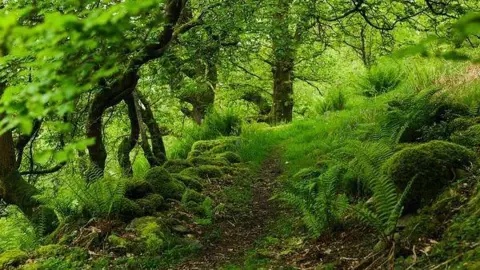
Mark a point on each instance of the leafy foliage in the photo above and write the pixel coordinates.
(381, 79)
(318, 202)
(76, 196)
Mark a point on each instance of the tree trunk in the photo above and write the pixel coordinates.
(283, 64)
(128, 143)
(282, 92)
(156, 135)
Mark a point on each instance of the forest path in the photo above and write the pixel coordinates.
(238, 234)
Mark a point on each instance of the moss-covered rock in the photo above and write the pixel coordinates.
(172, 190)
(432, 167)
(230, 156)
(151, 233)
(136, 189)
(49, 250)
(213, 146)
(147, 207)
(117, 243)
(192, 182)
(462, 123)
(130, 210)
(194, 207)
(193, 154)
(151, 203)
(164, 184)
(12, 258)
(204, 172)
(198, 161)
(156, 200)
(469, 138)
(157, 175)
(177, 165)
(192, 195)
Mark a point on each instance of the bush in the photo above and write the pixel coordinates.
(423, 117)
(334, 101)
(432, 165)
(318, 202)
(380, 79)
(99, 199)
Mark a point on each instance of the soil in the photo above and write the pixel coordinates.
(238, 234)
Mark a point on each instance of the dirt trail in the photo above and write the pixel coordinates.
(239, 233)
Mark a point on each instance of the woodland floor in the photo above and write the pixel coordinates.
(238, 234)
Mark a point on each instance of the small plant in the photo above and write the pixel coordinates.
(100, 199)
(17, 232)
(385, 211)
(317, 200)
(216, 124)
(334, 101)
(380, 79)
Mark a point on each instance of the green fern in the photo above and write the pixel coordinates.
(76, 197)
(409, 112)
(17, 231)
(387, 208)
(317, 200)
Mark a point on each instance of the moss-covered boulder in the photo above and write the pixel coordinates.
(192, 182)
(194, 207)
(164, 184)
(151, 203)
(204, 172)
(130, 210)
(12, 258)
(191, 195)
(136, 189)
(177, 165)
(213, 146)
(117, 243)
(432, 166)
(198, 161)
(462, 123)
(469, 138)
(151, 234)
(156, 175)
(230, 156)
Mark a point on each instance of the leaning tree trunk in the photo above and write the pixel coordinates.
(13, 188)
(128, 143)
(158, 154)
(124, 86)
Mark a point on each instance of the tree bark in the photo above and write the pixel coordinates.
(158, 153)
(128, 143)
(283, 91)
(283, 64)
(124, 87)
(103, 100)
